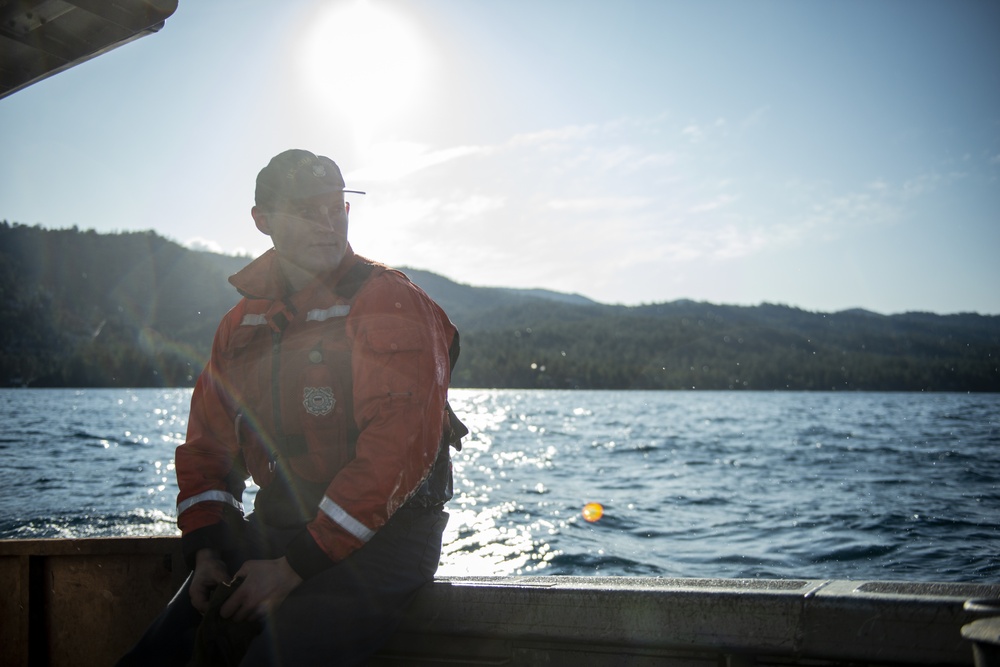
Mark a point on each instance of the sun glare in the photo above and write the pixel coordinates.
(363, 61)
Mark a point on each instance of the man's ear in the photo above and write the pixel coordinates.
(260, 219)
(347, 207)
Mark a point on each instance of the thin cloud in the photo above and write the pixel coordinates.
(394, 161)
(575, 206)
(698, 132)
(717, 203)
(693, 133)
(202, 244)
(561, 135)
(598, 204)
(472, 207)
(756, 117)
(732, 242)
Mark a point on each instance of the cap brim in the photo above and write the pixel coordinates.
(357, 192)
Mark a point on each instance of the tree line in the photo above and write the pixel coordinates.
(137, 310)
(710, 348)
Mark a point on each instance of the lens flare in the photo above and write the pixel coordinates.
(592, 512)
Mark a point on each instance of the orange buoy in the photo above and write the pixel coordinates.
(592, 512)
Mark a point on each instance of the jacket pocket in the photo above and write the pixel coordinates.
(394, 359)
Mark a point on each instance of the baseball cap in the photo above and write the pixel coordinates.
(297, 174)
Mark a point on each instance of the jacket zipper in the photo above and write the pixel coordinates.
(279, 429)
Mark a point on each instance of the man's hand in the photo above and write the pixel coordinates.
(209, 572)
(266, 585)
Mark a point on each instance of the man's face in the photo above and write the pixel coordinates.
(310, 234)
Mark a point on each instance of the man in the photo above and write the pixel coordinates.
(327, 384)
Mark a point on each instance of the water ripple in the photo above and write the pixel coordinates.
(696, 484)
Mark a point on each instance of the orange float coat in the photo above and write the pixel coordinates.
(337, 391)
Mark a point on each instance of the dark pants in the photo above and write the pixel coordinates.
(339, 617)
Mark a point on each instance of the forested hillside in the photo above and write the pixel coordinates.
(135, 309)
(86, 309)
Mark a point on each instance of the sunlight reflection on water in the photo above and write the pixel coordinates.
(701, 484)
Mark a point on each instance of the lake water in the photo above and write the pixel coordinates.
(693, 484)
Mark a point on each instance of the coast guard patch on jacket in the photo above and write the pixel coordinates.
(319, 401)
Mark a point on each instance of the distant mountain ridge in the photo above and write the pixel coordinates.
(136, 309)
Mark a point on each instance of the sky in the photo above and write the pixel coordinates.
(822, 155)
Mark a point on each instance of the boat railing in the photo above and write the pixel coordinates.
(85, 601)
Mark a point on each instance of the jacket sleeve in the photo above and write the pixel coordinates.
(210, 470)
(401, 372)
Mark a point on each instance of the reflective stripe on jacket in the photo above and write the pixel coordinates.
(334, 404)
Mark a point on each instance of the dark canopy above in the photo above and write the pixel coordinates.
(39, 38)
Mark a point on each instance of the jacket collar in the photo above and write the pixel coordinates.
(263, 278)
